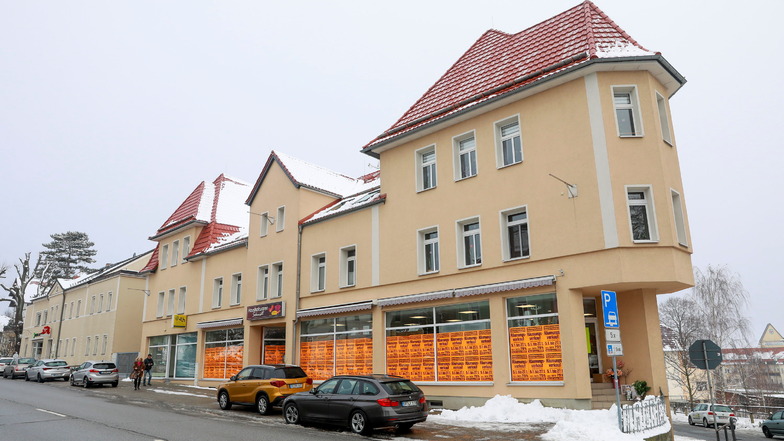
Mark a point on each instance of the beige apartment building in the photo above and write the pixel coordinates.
(541, 169)
(92, 317)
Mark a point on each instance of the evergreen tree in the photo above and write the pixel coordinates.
(68, 254)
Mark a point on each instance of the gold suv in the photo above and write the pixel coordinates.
(263, 386)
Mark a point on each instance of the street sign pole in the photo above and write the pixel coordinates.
(710, 391)
(611, 322)
(617, 393)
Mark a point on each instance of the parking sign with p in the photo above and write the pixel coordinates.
(610, 309)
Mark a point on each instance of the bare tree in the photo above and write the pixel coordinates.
(25, 276)
(681, 327)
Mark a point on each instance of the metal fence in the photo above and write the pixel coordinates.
(643, 415)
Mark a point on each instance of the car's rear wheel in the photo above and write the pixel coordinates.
(767, 433)
(691, 421)
(291, 414)
(359, 423)
(40, 380)
(114, 383)
(223, 400)
(85, 383)
(262, 404)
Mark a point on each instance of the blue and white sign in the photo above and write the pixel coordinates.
(610, 309)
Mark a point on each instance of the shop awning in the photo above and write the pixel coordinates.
(413, 298)
(505, 286)
(219, 323)
(337, 309)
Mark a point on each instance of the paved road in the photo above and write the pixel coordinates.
(55, 410)
(709, 434)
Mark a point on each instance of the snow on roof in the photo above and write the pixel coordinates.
(499, 63)
(320, 178)
(346, 205)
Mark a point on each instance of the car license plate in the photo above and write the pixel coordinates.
(408, 403)
(295, 386)
(106, 372)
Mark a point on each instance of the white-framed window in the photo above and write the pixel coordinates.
(95, 348)
(428, 252)
(38, 319)
(100, 303)
(217, 292)
(73, 346)
(642, 219)
(426, 168)
(87, 347)
(677, 212)
(265, 223)
(181, 300)
(508, 142)
(469, 243)
(318, 272)
(627, 111)
(464, 148)
(664, 118)
(186, 247)
(65, 348)
(236, 289)
(280, 221)
(348, 266)
(105, 343)
(277, 280)
(514, 229)
(175, 253)
(170, 304)
(92, 306)
(164, 256)
(161, 304)
(109, 302)
(78, 308)
(263, 283)
(71, 310)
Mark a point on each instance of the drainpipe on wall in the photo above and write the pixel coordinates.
(60, 326)
(295, 340)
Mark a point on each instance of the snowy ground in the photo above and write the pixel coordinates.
(585, 425)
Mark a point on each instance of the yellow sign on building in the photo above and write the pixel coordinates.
(179, 321)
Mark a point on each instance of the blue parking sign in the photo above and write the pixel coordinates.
(610, 309)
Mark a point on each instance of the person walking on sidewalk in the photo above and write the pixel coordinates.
(137, 372)
(148, 364)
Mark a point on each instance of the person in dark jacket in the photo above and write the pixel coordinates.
(148, 364)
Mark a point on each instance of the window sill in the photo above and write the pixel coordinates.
(317, 291)
(643, 242)
(669, 143)
(469, 266)
(347, 286)
(514, 259)
(499, 167)
(466, 178)
(535, 383)
(430, 273)
(420, 190)
(630, 136)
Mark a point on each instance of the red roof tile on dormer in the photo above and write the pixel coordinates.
(499, 63)
(211, 235)
(152, 265)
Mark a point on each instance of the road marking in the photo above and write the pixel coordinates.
(53, 413)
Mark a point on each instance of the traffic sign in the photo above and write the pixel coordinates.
(612, 335)
(610, 309)
(705, 354)
(614, 349)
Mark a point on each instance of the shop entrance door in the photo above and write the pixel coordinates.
(273, 345)
(592, 337)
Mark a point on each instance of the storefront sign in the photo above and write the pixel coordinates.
(179, 321)
(267, 311)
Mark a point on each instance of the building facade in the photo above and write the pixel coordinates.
(92, 317)
(541, 169)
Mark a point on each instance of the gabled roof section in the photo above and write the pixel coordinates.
(311, 176)
(351, 203)
(771, 338)
(107, 271)
(499, 63)
(219, 206)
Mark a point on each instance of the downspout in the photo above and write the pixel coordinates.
(295, 340)
(59, 327)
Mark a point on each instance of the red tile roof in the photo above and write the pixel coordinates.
(499, 63)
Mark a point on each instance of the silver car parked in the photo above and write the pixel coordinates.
(91, 373)
(17, 368)
(48, 369)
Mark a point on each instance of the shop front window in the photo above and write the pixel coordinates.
(223, 352)
(534, 338)
(337, 346)
(274, 345)
(442, 343)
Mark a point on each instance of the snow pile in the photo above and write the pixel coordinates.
(585, 425)
(4, 321)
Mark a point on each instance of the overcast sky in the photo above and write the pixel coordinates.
(111, 112)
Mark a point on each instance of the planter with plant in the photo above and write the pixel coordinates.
(641, 388)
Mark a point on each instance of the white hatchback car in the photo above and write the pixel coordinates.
(704, 413)
(50, 369)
